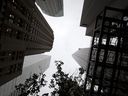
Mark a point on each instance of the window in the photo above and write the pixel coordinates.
(101, 56)
(108, 73)
(88, 84)
(96, 88)
(98, 72)
(104, 40)
(11, 16)
(94, 53)
(96, 39)
(107, 23)
(113, 41)
(110, 57)
(123, 76)
(91, 68)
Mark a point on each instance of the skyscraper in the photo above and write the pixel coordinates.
(32, 64)
(92, 8)
(107, 73)
(82, 57)
(23, 31)
(51, 7)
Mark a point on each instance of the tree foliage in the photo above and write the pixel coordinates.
(32, 85)
(62, 83)
(65, 85)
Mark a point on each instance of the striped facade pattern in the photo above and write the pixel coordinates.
(51, 7)
(23, 31)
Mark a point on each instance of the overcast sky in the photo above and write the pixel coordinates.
(69, 37)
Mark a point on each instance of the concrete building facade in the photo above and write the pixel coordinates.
(32, 64)
(82, 57)
(51, 7)
(23, 31)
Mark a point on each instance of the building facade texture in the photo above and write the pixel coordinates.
(51, 7)
(107, 73)
(23, 31)
(82, 57)
(39, 64)
(92, 8)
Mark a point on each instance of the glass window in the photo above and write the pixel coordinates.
(101, 56)
(113, 41)
(94, 53)
(110, 57)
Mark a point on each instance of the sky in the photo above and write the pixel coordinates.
(68, 37)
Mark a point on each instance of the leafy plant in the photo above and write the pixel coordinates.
(65, 85)
(32, 85)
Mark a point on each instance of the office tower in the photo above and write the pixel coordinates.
(51, 7)
(23, 31)
(107, 73)
(82, 56)
(92, 8)
(32, 64)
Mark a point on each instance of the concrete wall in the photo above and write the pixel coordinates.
(32, 64)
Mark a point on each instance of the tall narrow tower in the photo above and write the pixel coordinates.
(107, 73)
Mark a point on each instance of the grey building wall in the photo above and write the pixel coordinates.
(51, 7)
(82, 57)
(23, 31)
(32, 64)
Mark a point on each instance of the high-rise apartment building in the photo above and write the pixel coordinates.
(107, 73)
(51, 7)
(23, 31)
